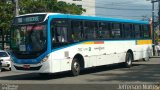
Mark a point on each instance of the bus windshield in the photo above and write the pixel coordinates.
(28, 38)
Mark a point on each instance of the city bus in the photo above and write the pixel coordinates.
(48, 43)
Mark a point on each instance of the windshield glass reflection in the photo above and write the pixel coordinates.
(28, 38)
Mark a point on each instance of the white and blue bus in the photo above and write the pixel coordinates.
(53, 42)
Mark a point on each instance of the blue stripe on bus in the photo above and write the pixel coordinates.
(98, 18)
(48, 36)
(107, 19)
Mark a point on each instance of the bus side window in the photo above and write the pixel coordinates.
(137, 31)
(59, 31)
(104, 30)
(132, 31)
(90, 28)
(116, 31)
(61, 34)
(141, 31)
(53, 34)
(128, 31)
(146, 31)
(76, 27)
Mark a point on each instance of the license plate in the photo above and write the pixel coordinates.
(26, 66)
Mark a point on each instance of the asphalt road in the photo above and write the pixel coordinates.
(141, 76)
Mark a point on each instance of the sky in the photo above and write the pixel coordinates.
(128, 9)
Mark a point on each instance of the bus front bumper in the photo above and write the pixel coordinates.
(31, 68)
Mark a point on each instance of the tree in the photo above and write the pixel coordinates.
(6, 15)
(28, 6)
(35, 6)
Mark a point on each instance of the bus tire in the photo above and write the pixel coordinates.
(128, 60)
(0, 68)
(75, 67)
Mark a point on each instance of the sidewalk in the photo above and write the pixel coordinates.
(155, 57)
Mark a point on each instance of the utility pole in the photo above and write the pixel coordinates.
(16, 8)
(158, 17)
(153, 22)
(153, 28)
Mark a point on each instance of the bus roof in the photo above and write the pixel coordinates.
(84, 17)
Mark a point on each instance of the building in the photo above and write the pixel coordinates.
(89, 5)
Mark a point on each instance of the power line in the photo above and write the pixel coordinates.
(112, 3)
(114, 8)
(118, 8)
(124, 9)
(128, 6)
(122, 3)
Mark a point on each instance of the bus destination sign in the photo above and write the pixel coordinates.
(29, 19)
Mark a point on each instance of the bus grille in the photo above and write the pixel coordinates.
(31, 68)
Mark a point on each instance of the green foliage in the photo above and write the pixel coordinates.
(64, 7)
(6, 15)
(28, 6)
(34, 6)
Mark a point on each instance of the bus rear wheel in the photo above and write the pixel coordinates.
(128, 60)
(75, 67)
(0, 68)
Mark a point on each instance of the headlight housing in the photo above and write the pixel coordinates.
(46, 58)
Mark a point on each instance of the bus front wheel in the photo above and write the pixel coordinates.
(75, 68)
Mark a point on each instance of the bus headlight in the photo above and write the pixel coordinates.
(45, 58)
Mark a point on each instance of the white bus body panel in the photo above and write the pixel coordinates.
(98, 54)
(108, 52)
